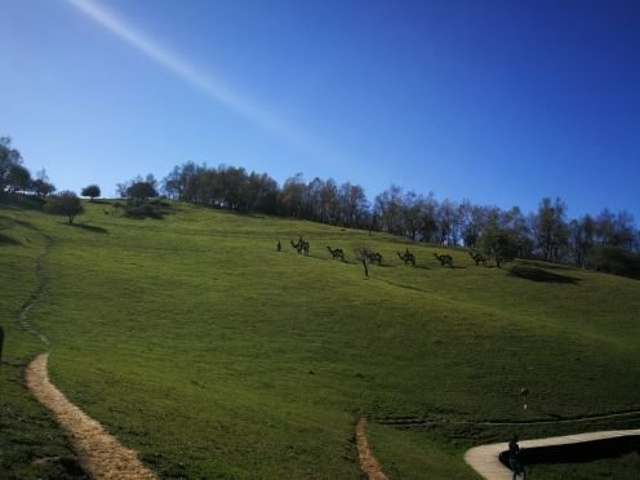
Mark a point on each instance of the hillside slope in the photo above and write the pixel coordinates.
(198, 344)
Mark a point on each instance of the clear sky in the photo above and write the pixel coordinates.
(502, 102)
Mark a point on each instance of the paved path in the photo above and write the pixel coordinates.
(484, 459)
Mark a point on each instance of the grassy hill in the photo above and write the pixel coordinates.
(199, 345)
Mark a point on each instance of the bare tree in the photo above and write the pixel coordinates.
(361, 255)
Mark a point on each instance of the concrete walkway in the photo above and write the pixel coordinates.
(484, 459)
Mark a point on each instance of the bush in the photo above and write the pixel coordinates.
(137, 208)
(608, 259)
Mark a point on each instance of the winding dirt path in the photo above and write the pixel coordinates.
(101, 455)
(41, 279)
(368, 462)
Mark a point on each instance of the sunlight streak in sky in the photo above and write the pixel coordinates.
(215, 90)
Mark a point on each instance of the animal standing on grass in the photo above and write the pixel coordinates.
(407, 257)
(336, 253)
(478, 258)
(301, 246)
(374, 257)
(444, 259)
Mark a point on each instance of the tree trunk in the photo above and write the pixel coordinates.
(366, 269)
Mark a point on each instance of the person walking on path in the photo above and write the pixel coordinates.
(514, 459)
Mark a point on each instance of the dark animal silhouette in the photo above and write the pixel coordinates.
(301, 246)
(444, 259)
(478, 258)
(279, 246)
(407, 257)
(373, 257)
(305, 247)
(336, 253)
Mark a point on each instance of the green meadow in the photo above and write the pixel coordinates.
(213, 355)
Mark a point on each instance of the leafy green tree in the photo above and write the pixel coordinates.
(41, 185)
(499, 243)
(9, 159)
(42, 188)
(141, 190)
(18, 179)
(92, 191)
(65, 203)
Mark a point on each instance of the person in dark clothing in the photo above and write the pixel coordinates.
(514, 459)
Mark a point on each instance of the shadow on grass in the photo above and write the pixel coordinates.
(423, 267)
(555, 416)
(403, 285)
(19, 201)
(545, 265)
(581, 452)
(6, 240)
(90, 228)
(539, 275)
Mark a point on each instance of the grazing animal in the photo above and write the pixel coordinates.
(478, 258)
(305, 247)
(336, 253)
(444, 259)
(374, 257)
(301, 246)
(407, 257)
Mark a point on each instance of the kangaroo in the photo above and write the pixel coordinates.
(301, 246)
(305, 247)
(478, 258)
(336, 253)
(374, 257)
(407, 257)
(445, 259)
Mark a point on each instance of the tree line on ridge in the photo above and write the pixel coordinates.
(608, 241)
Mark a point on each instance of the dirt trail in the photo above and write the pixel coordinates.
(101, 455)
(368, 462)
(41, 279)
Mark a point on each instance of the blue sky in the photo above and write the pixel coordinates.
(501, 102)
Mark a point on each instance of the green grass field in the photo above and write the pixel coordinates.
(215, 356)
